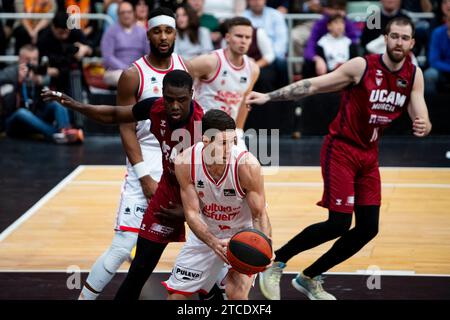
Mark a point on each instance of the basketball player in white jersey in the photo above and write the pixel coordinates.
(144, 163)
(225, 76)
(222, 191)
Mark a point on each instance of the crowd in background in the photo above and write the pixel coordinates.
(50, 53)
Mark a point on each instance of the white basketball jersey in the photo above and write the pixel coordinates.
(226, 89)
(223, 205)
(150, 85)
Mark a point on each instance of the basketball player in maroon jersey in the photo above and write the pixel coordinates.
(376, 90)
(175, 110)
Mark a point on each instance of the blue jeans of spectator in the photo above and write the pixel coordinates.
(50, 118)
(433, 79)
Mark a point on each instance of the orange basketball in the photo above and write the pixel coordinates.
(249, 251)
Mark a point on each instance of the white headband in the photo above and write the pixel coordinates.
(159, 20)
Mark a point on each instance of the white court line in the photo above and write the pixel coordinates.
(314, 168)
(307, 168)
(299, 184)
(30, 212)
(401, 273)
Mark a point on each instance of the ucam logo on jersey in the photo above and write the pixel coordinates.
(385, 96)
(184, 274)
(385, 100)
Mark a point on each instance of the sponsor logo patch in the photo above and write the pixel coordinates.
(229, 192)
(139, 210)
(200, 184)
(184, 274)
(402, 83)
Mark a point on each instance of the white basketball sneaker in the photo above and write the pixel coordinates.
(269, 281)
(312, 288)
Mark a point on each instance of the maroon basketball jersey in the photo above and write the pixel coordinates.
(173, 139)
(378, 99)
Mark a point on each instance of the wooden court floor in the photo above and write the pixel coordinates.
(73, 224)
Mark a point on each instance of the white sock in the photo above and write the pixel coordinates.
(87, 294)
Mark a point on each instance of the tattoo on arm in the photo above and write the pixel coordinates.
(293, 91)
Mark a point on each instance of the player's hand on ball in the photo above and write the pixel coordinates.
(220, 248)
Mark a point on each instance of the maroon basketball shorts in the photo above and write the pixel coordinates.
(155, 229)
(350, 174)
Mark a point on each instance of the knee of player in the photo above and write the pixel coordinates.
(236, 292)
(115, 258)
(339, 222)
(372, 231)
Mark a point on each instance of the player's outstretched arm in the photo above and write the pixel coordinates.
(417, 107)
(348, 73)
(252, 181)
(102, 113)
(191, 206)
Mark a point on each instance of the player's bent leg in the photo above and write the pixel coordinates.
(366, 227)
(107, 264)
(337, 224)
(147, 256)
(238, 285)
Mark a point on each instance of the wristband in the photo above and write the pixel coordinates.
(140, 169)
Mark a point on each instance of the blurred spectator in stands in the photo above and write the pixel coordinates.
(422, 25)
(123, 43)
(314, 64)
(274, 24)
(262, 52)
(441, 14)
(417, 5)
(222, 9)
(171, 4)
(110, 7)
(437, 76)
(141, 10)
(334, 47)
(28, 30)
(25, 112)
(192, 40)
(6, 27)
(280, 5)
(65, 49)
(88, 27)
(207, 20)
(302, 28)
(372, 38)
(261, 49)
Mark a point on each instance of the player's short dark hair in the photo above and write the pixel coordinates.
(401, 21)
(217, 120)
(161, 11)
(60, 20)
(179, 79)
(237, 21)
